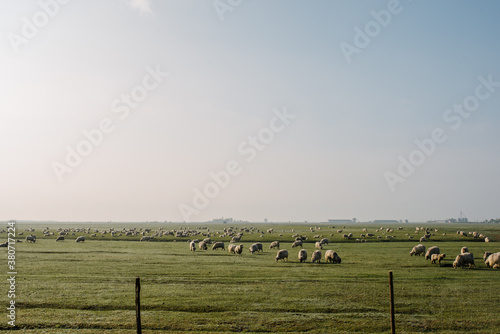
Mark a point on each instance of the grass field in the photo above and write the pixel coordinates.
(68, 287)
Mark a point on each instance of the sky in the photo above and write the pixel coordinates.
(286, 110)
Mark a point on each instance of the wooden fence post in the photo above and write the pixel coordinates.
(138, 304)
(391, 286)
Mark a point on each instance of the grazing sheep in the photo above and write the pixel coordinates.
(282, 255)
(493, 260)
(316, 257)
(430, 251)
(324, 241)
(192, 246)
(302, 255)
(202, 245)
(297, 243)
(318, 245)
(486, 239)
(30, 238)
(417, 250)
(486, 254)
(349, 236)
(331, 256)
(60, 238)
(80, 239)
(207, 241)
(345, 236)
(464, 250)
(437, 257)
(422, 239)
(218, 245)
(146, 238)
(253, 248)
(259, 247)
(274, 244)
(231, 248)
(464, 259)
(238, 249)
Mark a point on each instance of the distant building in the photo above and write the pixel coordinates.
(226, 221)
(340, 221)
(387, 221)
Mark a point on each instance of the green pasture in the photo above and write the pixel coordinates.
(68, 287)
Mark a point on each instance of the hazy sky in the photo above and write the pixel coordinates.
(135, 110)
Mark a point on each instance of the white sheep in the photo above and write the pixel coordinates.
(282, 255)
(202, 245)
(418, 250)
(437, 257)
(324, 241)
(302, 255)
(297, 243)
(318, 245)
(218, 245)
(316, 256)
(430, 251)
(331, 256)
(493, 260)
(238, 249)
(253, 249)
(256, 247)
(464, 259)
(192, 246)
(231, 248)
(274, 244)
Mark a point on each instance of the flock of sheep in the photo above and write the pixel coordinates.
(465, 258)
(330, 255)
